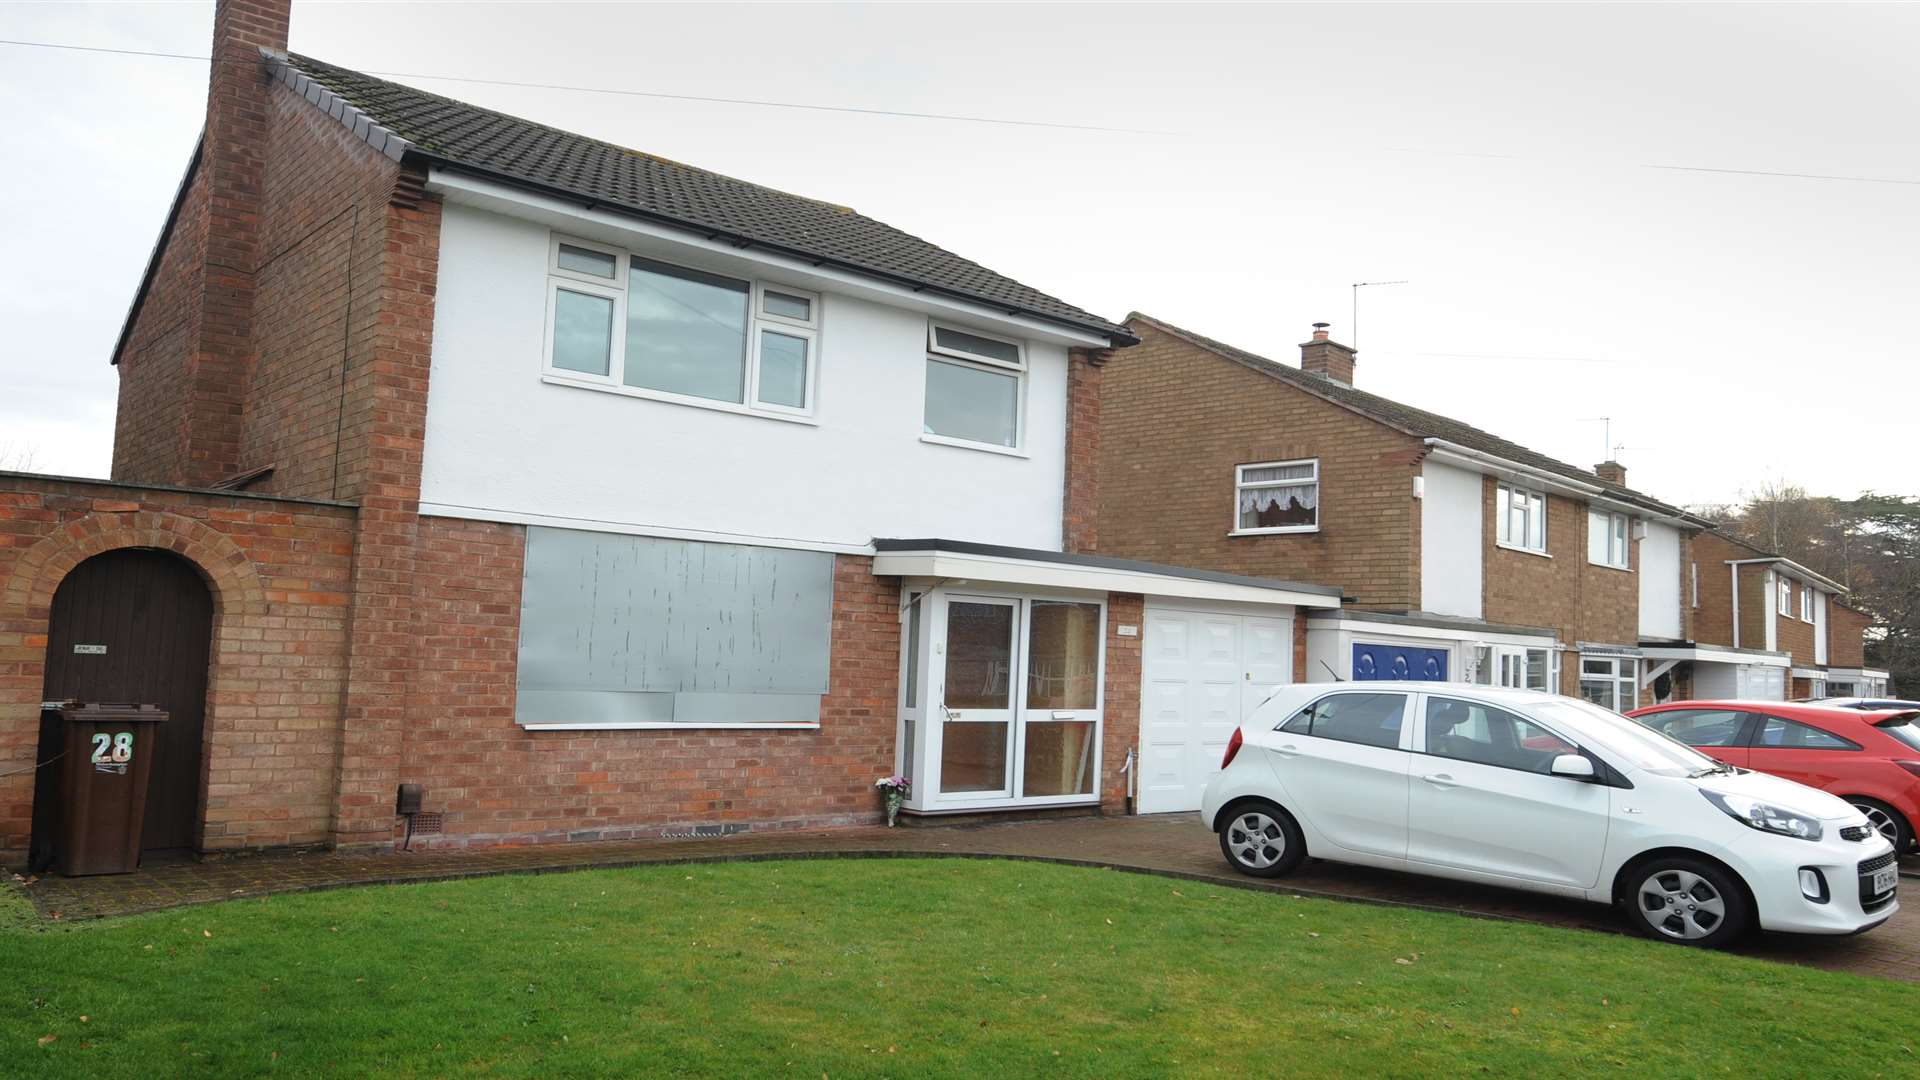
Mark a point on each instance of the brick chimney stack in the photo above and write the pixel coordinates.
(233, 160)
(1612, 472)
(1327, 358)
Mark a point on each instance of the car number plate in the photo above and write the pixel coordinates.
(1885, 880)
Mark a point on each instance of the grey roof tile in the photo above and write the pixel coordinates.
(491, 142)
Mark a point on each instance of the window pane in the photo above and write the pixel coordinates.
(1537, 670)
(1368, 719)
(582, 332)
(1598, 691)
(1483, 665)
(1279, 506)
(1503, 513)
(1785, 734)
(686, 331)
(1599, 538)
(1005, 352)
(1063, 656)
(1273, 474)
(1470, 731)
(973, 757)
(915, 613)
(1059, 758)
(586, 261)
(1537, 522)
(787, 306)
(783, 369)
(979, 655)
(1699, 727)
(971, 403)
(907, 743)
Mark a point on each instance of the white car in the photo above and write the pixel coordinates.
(1534, 791)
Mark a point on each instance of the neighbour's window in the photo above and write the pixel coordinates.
(1368, 719)
(1526, 669)
(1779, 734)
(1806, 604)
(1277, 496)
(1700, 727)
(1608, 681)
(1607, 540)
(1786, 597)
(1523, 518)
(1484, 735)
(1693, 582)
(622, 321)
(974, 386)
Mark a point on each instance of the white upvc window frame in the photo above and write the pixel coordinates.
(615, 289)
(1240, 484)
(1617, 543)
(1504, 495)
(1623, 676)
(1693, 583)
(1806, 603)
(941, 354)
(1511, 666)
(1785, 588)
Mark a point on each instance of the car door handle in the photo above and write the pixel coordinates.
(1441, 780)
(1287, 750)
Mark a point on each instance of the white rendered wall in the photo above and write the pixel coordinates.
(1451, 557)
(1660, 587)
(500, 443)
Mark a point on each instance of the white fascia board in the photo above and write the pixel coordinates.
(1381, 630)
(1789, 568)
(959, 567)
(1709, 654)
(663, 241)
(1448, 453)
(1809, 673)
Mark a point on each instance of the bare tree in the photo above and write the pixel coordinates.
(18, 457)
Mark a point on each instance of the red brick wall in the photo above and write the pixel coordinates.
(497, 782)
(1713, 622)
(278, 571)
(1757, 605)
(1846, 637)
(1080, 507)
(1176, 419)
(151, 424)
(1121, 716)
(1795, 637)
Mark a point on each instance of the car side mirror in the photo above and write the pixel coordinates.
(1572, 766)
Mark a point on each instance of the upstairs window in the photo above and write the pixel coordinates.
(1786, 597)
(975, 386)
(654, 329)
(1523, 518)
(1607, 540)
(1277, 497)
(1693, 582)
(1806, 604)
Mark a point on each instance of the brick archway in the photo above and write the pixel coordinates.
(230, 574)
(26, 605)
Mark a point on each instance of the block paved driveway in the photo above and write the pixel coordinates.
(1173, 844)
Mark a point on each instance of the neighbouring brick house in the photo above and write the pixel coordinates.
(1463, 556)
(598, 494)
(1787, 626)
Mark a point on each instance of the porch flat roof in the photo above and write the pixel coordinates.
(1713, 654)
(965, 560)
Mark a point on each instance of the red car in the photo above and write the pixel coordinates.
(1870, 759)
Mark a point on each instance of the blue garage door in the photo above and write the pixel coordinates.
(1398, 662)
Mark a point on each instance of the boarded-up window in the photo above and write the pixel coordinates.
(619, 630)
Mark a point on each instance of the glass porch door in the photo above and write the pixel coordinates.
(976, 734)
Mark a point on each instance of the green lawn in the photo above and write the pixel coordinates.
(902, 968)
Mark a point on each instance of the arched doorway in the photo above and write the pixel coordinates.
(135, 625)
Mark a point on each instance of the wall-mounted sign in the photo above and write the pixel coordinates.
(1127, 631)
(89, 650)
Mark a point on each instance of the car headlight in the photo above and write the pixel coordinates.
(1764, 816)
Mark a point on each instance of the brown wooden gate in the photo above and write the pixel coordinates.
(135, 625)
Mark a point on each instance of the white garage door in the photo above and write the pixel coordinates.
(1202, 673)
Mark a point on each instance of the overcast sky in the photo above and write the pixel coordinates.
(1737, 328)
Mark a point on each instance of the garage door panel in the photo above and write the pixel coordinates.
(1199, 667)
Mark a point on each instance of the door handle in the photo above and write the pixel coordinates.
(1441, 780)
(1287, 750)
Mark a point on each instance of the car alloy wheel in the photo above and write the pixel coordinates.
(1256, 840)
(1681, 904)
(1882, 820)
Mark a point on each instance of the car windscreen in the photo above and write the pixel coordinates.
(1640, 746)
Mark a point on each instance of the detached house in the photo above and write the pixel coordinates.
(1462, 556)
(595, 493)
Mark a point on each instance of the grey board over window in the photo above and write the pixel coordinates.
(619, 630)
